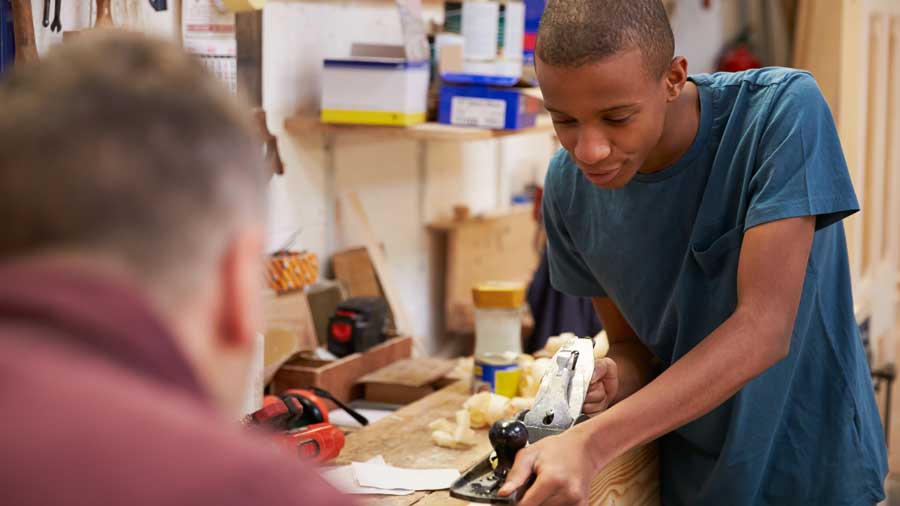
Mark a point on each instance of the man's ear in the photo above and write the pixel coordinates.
(241, 274)
(676, 77)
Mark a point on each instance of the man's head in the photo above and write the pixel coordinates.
(119, 153)
(607, 73)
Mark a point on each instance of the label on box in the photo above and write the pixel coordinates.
(478, 112)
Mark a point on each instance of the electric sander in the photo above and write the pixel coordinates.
(557, 407)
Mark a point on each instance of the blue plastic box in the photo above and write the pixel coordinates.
(486, 107)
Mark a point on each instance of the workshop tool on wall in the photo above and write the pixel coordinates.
(56, 25)
(557, 408)
(45, 22)
(104, 14)
(23, 29)
(358, 324)
(299, 419)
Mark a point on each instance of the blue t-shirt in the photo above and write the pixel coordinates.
(665, 248)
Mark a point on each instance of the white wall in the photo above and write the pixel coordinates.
(403, 184)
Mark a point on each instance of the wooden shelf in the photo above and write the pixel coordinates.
(306, 124)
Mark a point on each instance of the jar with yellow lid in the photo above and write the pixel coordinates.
(498, 336)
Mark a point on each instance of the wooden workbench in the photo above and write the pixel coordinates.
(404, 440)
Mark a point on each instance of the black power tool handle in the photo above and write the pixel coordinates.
(350, 411)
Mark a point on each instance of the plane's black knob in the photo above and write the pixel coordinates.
(507, 437)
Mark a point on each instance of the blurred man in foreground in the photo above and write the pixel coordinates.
(133, 198)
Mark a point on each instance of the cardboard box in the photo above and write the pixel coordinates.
(486, 107)
(376, 85)
(339, 377)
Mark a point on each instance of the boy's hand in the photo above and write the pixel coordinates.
(564, 466)
(603, 388)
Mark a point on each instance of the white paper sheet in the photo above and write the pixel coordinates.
(340, 417)
(369, 474)
(343, 478)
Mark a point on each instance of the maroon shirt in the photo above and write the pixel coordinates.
(100, 407)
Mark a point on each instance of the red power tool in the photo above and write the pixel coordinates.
(299, 419)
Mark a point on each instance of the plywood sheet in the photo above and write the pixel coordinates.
(494, 248)
(354, 269)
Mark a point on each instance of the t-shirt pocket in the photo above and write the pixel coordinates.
(715, 256)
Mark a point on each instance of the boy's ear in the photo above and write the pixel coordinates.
(676, 77)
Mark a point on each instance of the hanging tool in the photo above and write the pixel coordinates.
(56, 26)
(299, 419)
(557, 408)
(23, 30)
(104, 14)
(46, 21)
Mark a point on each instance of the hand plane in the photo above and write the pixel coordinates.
(557, 407)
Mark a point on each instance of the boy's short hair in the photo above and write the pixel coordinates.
(123, 144)
(578, 32)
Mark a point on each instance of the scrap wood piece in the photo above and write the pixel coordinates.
(354, 269)
(496, 247)
(379, 261)
(406, 381)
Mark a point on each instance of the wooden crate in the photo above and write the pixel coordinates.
(340, 376)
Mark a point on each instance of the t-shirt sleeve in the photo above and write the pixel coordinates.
(569, 272)
(801, 170)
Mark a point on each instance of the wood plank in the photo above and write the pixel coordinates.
(495, 248)
(402, 323)
(354, 269)
(413, 372)
(289, 328)
(406, 381)
(404, 440)
(302, 125)
(892, 225)
(852, 119)
(817, 46)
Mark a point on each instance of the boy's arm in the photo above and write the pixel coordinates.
(634, 362)
(771, 272)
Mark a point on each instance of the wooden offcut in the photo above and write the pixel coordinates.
(404, 440)
(402, 322)
(324, 298)
(339, 377)
(406, 381)
(498, 247)
(289, 328)
(354, 269)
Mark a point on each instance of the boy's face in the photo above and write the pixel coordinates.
(609, 115)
